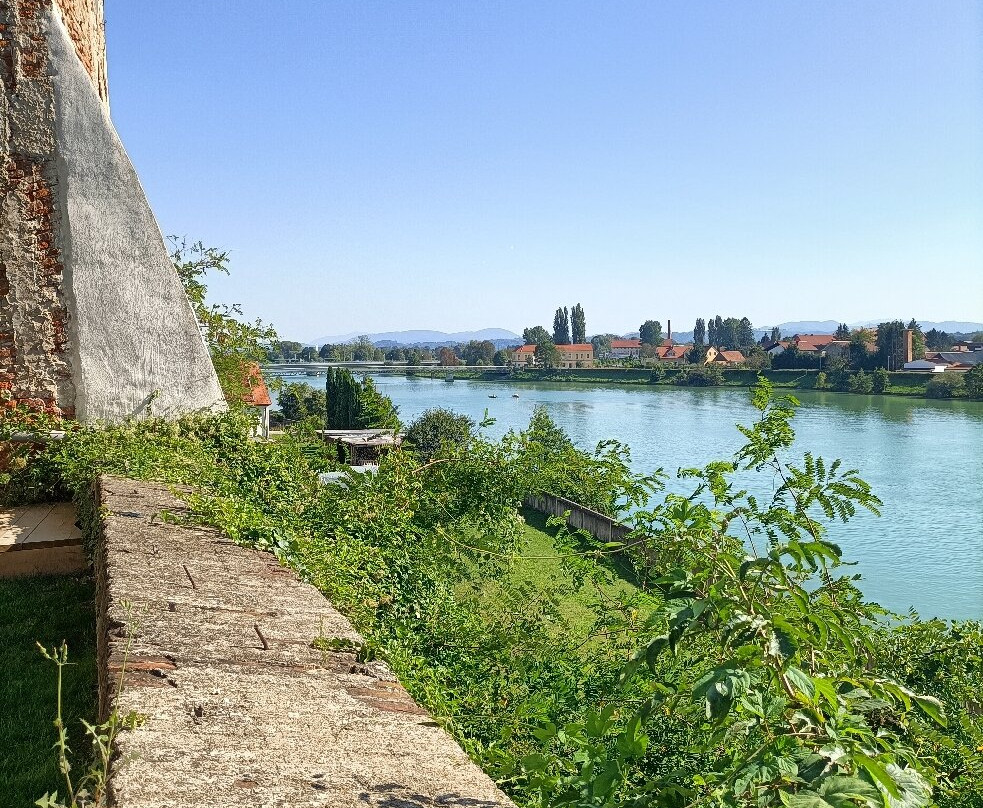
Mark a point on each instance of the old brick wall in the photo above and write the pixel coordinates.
(34, 364)
(94, 322)
(86, 25)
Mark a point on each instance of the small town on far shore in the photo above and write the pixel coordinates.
(858, 359)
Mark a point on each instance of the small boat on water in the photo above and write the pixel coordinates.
(492, 395)
(515, 395)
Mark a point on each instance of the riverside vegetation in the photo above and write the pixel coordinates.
(742, 668)
(722, 659)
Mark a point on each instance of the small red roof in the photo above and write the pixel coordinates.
(526, 349)
(732, 356)
(257, 394)
(813, 340)
(577, 346)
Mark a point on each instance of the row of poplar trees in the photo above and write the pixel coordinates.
(570, 326)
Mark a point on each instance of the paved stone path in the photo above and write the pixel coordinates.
(240, 709)
(40, 539)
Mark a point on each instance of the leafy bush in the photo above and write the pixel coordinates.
(758, 675)
(699, 376)
(860, 382)
(881, 380)
(946, 385)
(298, 401)
(547, 461)
(974, 382)
(438, 429)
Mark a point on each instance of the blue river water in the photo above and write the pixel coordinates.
(924, 459)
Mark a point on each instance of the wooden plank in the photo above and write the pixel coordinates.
(50, 522)
(60, 560)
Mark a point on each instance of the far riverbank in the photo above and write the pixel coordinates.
(908, 384)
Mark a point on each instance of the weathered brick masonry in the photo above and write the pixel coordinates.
(94, 323)
(86, 26)
(34, 366)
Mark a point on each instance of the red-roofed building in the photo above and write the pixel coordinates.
(579, 355)
(812, 343)
(626, 348)
(571, 356)
(729, 358)
(526, 355)
(257, 395)
(672, 353)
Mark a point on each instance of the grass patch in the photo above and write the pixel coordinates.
(579, 600)
(46, 610)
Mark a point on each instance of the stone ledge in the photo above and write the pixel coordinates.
(229, 722)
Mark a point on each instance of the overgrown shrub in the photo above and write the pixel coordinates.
(974, 382)
(860, 382)
(946, 385)
(758, 675)
(699, 376)
(436, 429)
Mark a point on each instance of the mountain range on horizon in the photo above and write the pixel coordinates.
(502, 336)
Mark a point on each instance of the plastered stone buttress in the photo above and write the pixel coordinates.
(94, 323)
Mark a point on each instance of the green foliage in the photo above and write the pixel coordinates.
(762, 653)
(478, 352)
(232, 342)
(561, 326)
(438, 430)
(546, 461)
(699, 376)
(821, 383)
(973, 381)
(880, 380)
(535, 335)
(354, 405)
(700, 332)
(730, 332)
(650, 332)
(946, 385)
(298, 401)
(547, 354)
(26, 471)
(860, 382)
(578, 325)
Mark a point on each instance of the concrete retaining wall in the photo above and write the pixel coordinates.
(239, 708)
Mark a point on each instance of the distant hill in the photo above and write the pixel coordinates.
(428, 339)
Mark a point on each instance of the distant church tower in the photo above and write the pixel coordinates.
(94, 322)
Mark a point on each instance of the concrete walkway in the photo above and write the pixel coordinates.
(240, 709)
(40, 540)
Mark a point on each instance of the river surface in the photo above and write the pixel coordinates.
(924, 459)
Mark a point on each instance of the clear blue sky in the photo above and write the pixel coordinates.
(378, 166)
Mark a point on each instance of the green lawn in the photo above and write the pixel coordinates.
(579, 602)
(47, 610)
